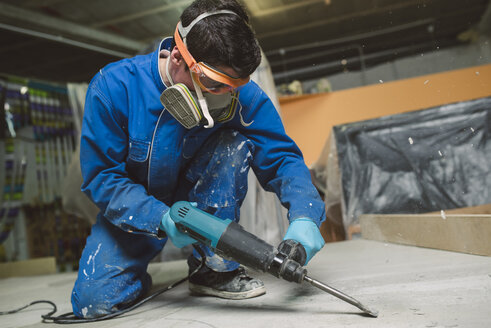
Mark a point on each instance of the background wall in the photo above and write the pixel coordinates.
(308, 119)
(473, 54)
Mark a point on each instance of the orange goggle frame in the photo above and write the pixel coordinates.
(205, 72)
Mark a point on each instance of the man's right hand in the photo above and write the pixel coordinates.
(178, 238)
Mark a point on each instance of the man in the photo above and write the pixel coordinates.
(183, 123)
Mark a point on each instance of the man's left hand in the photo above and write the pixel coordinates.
(306, 232)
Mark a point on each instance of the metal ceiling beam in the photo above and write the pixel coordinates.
(318, 69)
(143, 13)
(257, 13)
(60, 39)
(29, 19)
(41, 3)
(337, 19)
(352, 38)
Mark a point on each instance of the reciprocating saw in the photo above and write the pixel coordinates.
(229, 240)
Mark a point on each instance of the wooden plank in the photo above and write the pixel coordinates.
(34, 267)
(466, 233)
(480, 209)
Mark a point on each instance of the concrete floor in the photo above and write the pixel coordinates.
(409, 286)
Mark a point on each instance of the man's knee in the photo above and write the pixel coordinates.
(86, 301)
(231, 155)
(219, 173)
(223, 144)
(95, 298)
(231, 141)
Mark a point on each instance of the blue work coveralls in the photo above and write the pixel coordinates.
(137, 160)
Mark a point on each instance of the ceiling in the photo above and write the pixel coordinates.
(69, 40)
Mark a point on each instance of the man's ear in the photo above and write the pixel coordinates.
(176, 57)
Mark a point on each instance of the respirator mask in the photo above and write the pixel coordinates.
(192, 108)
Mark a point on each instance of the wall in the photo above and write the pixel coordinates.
(468, 55)
(308, 119)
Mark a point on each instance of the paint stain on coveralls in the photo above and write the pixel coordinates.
(92, 258)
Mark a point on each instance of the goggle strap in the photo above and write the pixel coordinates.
(185, 30)
(181, 43)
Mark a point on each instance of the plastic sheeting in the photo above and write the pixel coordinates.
(76, 97)
(416, 162)
(262, 213)
(74, 201)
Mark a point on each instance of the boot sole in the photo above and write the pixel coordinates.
(202, 290)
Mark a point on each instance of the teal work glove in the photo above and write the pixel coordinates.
(306, 232)
(178, 238)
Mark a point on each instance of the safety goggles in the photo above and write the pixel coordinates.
(207, 77)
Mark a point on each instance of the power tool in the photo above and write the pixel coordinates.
(229, 240)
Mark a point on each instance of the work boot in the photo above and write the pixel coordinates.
(234, 285)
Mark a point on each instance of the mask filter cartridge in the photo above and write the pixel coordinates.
(178, 100)
(183, 104)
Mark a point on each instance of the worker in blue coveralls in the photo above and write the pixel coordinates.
(183, 123)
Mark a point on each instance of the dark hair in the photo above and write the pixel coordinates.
(222, 40)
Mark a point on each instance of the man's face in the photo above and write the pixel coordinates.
(182, 74)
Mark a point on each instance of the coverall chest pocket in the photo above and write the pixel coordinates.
(137, 163)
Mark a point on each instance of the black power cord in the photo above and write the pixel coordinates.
(69, 318)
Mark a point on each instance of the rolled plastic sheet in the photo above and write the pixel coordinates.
(423, 161)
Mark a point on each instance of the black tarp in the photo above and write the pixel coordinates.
(417, 162)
